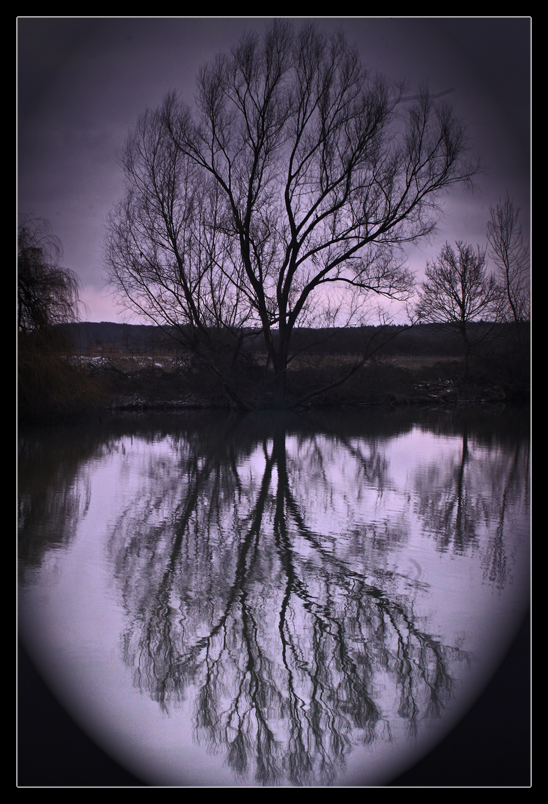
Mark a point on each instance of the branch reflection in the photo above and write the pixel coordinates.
(477, 493)
(244, 564)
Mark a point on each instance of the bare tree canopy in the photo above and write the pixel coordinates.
(458, 291)
(47, 293)
(511, 258)
(285, 196)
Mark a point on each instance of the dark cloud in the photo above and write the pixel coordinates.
(83, 82)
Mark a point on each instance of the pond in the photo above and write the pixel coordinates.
(273, 599)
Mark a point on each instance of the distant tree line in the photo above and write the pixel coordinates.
(427, 340)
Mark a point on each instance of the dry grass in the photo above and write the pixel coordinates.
(417, 363)
(164, 380)
(129, 364)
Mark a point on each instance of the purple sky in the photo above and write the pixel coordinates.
(83, 82)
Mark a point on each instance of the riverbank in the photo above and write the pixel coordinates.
(387, 383)
(92, 386)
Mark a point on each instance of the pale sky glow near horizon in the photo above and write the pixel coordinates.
(83, 82)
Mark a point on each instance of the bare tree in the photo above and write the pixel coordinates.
(511, 258)
(458, 291)
(322, 173)
(47, 293)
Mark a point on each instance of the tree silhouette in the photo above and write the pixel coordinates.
(511, 258)
(284, 197)
(47, 293)
(458, 291)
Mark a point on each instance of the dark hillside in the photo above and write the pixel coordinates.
(424, 340)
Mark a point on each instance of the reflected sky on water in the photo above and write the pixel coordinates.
(272, 599)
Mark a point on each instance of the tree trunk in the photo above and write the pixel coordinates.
(466, 355)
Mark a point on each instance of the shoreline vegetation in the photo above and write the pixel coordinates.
(96, 369)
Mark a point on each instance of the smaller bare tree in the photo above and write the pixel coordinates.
(458, 291)
(511, 258)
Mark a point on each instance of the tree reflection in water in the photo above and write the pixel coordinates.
(249, 588)
(464, 498)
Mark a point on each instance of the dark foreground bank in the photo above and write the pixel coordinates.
(57, 389)
(93, 368)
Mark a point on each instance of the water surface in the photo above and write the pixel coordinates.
(272, 599)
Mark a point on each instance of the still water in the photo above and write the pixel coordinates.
(271, 599)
